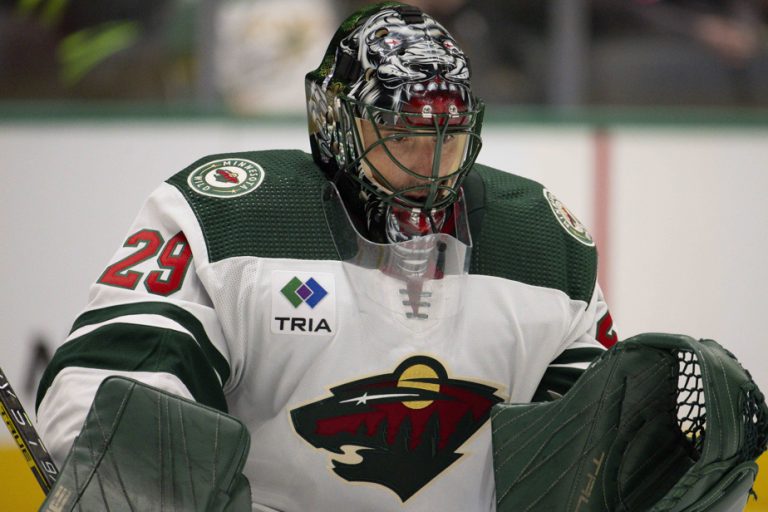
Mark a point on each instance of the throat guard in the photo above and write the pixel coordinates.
(417, 280)
(658, 423)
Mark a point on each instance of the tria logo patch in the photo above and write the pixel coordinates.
(400, 429)
(303, 303)
(226, 177)
(310, 293)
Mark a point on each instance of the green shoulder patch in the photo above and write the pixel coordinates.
(568, 220)
(226, 177)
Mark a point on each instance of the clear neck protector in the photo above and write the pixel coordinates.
(416, 280)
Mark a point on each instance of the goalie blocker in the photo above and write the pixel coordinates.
(658, 423)
(143, 449)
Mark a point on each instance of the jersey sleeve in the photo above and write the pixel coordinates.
(592, 334)
(149, 318)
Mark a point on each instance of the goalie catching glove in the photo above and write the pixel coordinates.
(658, 423)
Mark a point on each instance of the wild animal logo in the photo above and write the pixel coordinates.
(399, 430)
(226, 176)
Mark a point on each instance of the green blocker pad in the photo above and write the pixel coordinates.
(658, 423)
(144, 449)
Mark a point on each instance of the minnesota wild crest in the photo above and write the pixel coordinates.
(404, 427)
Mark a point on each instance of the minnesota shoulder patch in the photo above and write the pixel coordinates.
(226, 177)
(568, 220)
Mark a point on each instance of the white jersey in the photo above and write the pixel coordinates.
(229, 291)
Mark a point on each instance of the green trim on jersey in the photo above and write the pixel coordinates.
(140, 348)
(281, 218)
(561, 378)
(578, 355)
(167, 310)
(515, 234)
(558, 379)
(521, 239)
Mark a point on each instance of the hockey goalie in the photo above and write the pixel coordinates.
(350, 330)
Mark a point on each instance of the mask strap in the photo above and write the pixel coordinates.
(410, 14)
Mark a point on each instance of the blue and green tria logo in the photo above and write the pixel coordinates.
(309, 292)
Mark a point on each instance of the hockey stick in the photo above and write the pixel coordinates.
(25, 435)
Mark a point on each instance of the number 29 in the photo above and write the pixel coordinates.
(174, 257)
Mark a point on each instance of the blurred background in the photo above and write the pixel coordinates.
(248, 56)
(648, 118)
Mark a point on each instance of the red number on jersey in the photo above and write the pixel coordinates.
(605, 332)
(117, 274)
(174, 259)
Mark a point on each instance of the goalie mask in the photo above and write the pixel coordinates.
(391, 110)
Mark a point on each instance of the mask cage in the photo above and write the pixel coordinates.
(441, 191)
